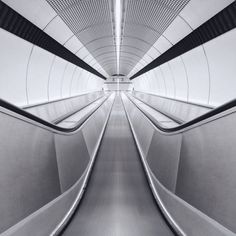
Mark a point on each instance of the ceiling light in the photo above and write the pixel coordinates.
(118, 18)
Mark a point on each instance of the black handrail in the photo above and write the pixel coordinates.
(175, 119)
(65, 116)
(216, 111)
(32, 117)
(57, 100)
(207, 115)
(175, 100)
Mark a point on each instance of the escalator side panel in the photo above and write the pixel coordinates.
(72, 158)
(182, 215)
(44, 220)
(28, 169)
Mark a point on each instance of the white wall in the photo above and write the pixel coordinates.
(195, 13)
(38, 74)
(221, 54)
(13, 60)
(40, 13)
(205, 75)
(31, 75)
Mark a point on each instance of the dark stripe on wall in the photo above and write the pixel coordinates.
(16, 24)
(216, 26)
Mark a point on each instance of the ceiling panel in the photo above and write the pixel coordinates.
(89, 20)
(144, 21)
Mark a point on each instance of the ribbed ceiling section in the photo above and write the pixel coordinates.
(145, 22)
(92, 21)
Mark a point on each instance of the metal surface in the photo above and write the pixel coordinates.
(98, 136)
(190, 178)
(49, 173)
(143, 23)
(177, 110)
(56, 111)
(138, 140)
(28, 170)
(118, 200)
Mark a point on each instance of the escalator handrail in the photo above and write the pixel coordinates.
(55, 101)
(176, 120)
(65, 116)
(176, 100)
(21, 112)
(177, 230)
(207, 115)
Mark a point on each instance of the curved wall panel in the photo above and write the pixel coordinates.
(198, 75)
(37, 11)
(85, 81)
(181, 80)
(177, 30)
(58, 30)
(13, 80)
(56, 75)
(80, 82)
(203, 36)
(154, 82)
(146, 82)
(73, 44)
(41, 14)
(198, 22)
(204, 75)
(82, 53)
(74, 81)
(161, 81)
(30, 74)
(66, 80)
(38, 74)
(169, 80)
(222, 57)
(196, 12)
(162, 44)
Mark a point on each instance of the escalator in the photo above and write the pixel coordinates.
(118, 200)
(117, 171)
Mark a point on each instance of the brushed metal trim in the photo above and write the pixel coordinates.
(59, 228)
(177, 229)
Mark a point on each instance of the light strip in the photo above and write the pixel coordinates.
(118, 32)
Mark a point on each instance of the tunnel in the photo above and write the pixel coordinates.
(117, 117)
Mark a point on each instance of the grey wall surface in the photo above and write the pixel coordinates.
(207, 176)
(42, 170)
(44, 220)
(193, 171)
(203, 75)
(72, 158)
(28, 169)
(163, 158)
(38, 75)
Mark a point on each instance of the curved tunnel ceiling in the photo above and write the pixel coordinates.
(149, 28)
(143, 22)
